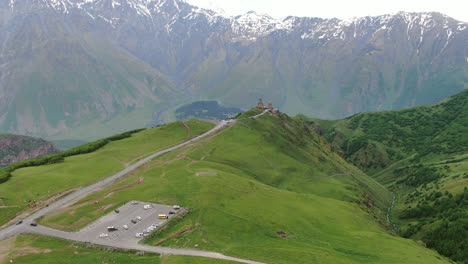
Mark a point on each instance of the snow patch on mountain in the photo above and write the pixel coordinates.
(252, 25)
(208, 5)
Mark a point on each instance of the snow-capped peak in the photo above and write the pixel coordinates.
(208, 5)
(253, 24)
(60, 5)
(248, 26)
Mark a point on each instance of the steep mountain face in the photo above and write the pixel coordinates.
(108, 58)
(421, 154)
(14, 148)
(56, 75)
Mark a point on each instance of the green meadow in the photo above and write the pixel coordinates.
(29, 186)
(269, 190)
(35, 249)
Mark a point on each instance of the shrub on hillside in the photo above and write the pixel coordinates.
(445, 221)
(6, 172)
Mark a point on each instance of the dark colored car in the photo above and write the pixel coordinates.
(171, 212)
(20, 222)
(33, 224)
(134, 221)
(117, 211)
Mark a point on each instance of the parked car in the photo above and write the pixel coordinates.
(33, 224)
(133, 221)
(125, 227)
(171, 212)
(139, 218)
(103, 235)
(19, 222)
(163, 216)
(117, 211)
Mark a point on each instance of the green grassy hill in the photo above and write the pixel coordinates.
(268, 189)
(34, 249)
(421, 154)
(28, 188)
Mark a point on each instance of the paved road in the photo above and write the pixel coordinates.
(72, 198)
(132, 245)
(82, 193)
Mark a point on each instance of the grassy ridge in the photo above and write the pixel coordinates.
(29, 186)
(421, 154)
(6, 173)
(268, 189)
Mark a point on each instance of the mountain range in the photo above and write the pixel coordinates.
(84, 69)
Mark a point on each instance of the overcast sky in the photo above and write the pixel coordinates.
(343, 9)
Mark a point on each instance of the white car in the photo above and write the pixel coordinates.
(176, 207)
(138, 235)
(139, 218)
(103, 235)
(147, 206)
(125, 227)
(134, 202)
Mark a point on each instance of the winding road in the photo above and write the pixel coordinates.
(74, 197)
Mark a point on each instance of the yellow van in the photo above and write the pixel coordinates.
(163, 216)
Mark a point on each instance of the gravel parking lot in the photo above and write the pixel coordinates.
(132, 210)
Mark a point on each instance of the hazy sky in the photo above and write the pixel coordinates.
(343, 9)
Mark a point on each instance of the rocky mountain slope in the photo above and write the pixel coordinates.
(92, 64)
(14, 148)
